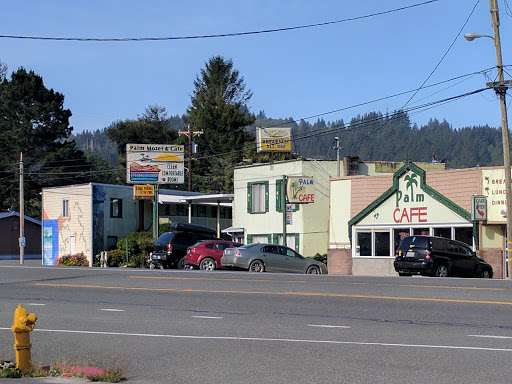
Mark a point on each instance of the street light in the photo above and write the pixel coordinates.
(500, 88)
(473, 35)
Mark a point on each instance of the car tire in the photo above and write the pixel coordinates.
(486, 274)
(313, 270)
(181, 263)
(404, 274)
(257, 266)
(441, 271)
(207, 264)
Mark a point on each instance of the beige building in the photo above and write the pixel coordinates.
(369, 215)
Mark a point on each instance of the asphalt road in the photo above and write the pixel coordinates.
(165, 326)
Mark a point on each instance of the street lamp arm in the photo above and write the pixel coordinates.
(473, 35)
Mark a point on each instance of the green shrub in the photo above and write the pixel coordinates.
(140, 244)
(165, 227)
(322, 258)
(116, 258)
(78, 260)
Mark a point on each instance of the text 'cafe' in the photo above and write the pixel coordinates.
(369, 215)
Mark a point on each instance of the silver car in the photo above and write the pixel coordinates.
(261, 257)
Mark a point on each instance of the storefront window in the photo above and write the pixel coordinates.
(364, 244)
(443, 232)
(464, 234)
(398, 235)
(382, 244)
(421, 231)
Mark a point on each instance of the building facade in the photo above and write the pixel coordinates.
(370, 215)
(258, 214)
(90, 218)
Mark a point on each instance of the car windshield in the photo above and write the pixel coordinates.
(414, 241)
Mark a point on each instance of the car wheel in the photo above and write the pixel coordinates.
(257, 266)
(207, 264)
(441, 270)
(486, 274)
(313, 270)
(181, 263)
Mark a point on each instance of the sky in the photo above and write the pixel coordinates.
(358, 53)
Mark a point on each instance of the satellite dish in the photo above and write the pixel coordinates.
(503, 213)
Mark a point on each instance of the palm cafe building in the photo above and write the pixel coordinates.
(369, 215)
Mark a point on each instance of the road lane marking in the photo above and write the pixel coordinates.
(207, 317)
(492, 336)
(37, 304)
(112, 310)
(270, 339)
(328, 326)
(289, 293)
(315, 282)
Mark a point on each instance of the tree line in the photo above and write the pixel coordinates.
(33, 121)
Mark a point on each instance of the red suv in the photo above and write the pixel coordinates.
(206, 255)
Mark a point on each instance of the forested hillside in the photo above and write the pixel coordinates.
(371, 137)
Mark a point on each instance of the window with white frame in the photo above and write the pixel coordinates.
(383, 242)
(65, 208)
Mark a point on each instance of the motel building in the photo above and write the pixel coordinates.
(369, 215)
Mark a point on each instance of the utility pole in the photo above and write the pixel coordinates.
(22, 214)
(501, 90)
(190, 133)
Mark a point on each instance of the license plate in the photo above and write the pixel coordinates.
(409, 254)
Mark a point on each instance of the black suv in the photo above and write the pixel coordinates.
(171, 247)
(438, 256)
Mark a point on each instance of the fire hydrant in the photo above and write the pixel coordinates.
(23, 324)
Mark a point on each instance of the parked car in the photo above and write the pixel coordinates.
(206, 255)
(170, 247)
(438, 256)
(261, 257)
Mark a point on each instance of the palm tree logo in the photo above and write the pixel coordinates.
(296, 189)
(411, 180)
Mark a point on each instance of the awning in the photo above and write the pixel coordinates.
(230, 230)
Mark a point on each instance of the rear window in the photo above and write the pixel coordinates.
(414, 242)
(164, 238)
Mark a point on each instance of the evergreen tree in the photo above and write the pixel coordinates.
(153, 127)
(35, 123)
(218, 109)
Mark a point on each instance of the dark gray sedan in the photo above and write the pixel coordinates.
(260, 257)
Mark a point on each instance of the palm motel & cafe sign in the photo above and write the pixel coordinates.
(365, 233)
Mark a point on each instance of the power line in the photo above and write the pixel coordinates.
(235, 34)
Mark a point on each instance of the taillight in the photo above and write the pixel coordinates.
(237, 253)
(169, 247)
(427, 255)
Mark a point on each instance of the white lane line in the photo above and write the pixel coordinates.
(35, 304)
(492, 336)
(112, 310)
(207, 317)
(328, 326)
(265, 339)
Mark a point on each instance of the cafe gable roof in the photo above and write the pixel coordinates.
(410, 201)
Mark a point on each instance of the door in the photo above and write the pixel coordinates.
(271, 257)
(290, 261)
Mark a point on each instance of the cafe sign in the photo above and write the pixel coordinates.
(300, 189)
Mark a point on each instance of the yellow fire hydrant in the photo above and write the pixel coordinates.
(23, 324)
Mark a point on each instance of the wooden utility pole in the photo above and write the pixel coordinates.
(190, 134)
(22, 215)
